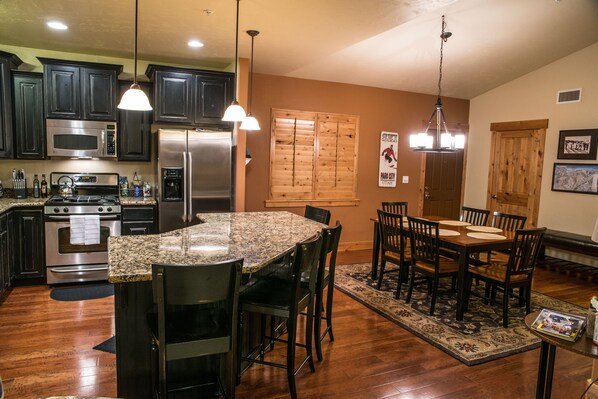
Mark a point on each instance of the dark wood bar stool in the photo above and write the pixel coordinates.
(318, 214)
(326, 270)
(196, 316)
(284, 298)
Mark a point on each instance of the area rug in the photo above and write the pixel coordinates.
(82, 293)
(479, 338)
(107, 346)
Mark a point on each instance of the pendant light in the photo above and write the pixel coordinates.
(234, 112)
(135, 99)
(445, 142)
(250, 123)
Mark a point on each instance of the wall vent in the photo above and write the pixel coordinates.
(568, 96)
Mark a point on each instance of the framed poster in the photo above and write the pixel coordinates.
(575, 178)
(578, 144)
(387, 175)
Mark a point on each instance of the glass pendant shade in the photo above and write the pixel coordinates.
(135, 99)
(250, 123)
(234, 113)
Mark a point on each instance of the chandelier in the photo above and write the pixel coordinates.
(445, 141)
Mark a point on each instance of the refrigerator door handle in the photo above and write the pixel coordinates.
(185, 188)
(190, 216)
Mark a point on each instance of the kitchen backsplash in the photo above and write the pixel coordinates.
(144, 169)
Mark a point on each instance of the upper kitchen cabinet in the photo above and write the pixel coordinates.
(8, 61)
(134, 134)
(29, 126)
(80, 90)
(190, 96)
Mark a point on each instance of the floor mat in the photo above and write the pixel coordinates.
(82, 293)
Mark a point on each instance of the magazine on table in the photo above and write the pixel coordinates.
(559, 324)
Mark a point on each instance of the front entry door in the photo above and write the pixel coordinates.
(516, 159)
(443, 179)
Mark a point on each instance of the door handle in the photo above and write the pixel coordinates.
(426, 193)
(185, 188)
(190, 216)
(493, 196)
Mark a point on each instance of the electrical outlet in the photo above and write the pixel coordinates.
(405, 179)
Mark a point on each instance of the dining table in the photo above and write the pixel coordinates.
(460, 237)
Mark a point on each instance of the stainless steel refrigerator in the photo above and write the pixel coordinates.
(194, 173)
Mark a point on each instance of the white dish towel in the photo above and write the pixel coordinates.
(85, 229)
(92, 229)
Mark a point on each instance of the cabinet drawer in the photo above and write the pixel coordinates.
(137, 228)
(138, 213)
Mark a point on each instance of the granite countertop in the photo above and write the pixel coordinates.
(9, 203)
(128, 201)
(257, 237)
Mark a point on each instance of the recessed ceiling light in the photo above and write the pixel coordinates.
(57, 25)
(195, 43)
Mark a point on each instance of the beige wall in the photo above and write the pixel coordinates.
(533, 96)
(379, 110)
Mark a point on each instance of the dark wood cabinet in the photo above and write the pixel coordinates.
(173, 97)
(138, 220)
(212, 98)
(134, 134)
(29, 122)
(80, 90)
(8, 61)
(29, 260)
(5, 277)
(190, 96)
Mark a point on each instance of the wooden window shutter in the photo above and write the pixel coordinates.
(292, 155)
(313, 159)
(336, 158)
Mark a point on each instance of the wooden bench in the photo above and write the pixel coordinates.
(570, 242)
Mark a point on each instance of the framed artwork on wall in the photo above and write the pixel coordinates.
(387, 171)
(578, 144)
(575, 178)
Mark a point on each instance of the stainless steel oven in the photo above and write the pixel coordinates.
(69, 257)
(68, 262)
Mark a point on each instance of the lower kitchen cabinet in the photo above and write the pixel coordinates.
(28, 233)
(5, 272)
(138, 220)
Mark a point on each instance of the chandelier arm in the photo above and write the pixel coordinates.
(444, 121)
(430, 121)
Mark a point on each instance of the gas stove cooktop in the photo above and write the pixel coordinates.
(85, 200)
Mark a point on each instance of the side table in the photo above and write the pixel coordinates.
(583, 346)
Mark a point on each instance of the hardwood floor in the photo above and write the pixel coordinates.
(46, 350)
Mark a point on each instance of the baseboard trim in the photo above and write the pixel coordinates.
(355, 246)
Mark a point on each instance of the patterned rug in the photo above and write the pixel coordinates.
(479, 338)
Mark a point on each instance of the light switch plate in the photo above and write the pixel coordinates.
(405, 179)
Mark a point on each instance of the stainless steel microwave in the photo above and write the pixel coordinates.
(81, 139)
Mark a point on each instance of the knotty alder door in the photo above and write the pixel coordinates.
(515, 176)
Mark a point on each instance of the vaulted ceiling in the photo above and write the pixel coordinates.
(382, 43)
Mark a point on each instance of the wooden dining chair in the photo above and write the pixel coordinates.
(475, 216)
(506, 222)
(393, 248)
(426, 259)
(395, 207)
(517, 272)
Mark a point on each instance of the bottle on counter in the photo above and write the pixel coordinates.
(137, 189)
(44, 186)
(36, 191)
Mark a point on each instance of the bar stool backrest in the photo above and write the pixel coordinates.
(508, 222)
(477, 217)
(399, 208)
(318, 214)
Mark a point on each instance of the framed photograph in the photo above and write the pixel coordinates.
(578, 144)
(575, 178)
(387, 171)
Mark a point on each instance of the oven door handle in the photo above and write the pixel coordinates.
(62, 270)
(102, 217)
(185, 188)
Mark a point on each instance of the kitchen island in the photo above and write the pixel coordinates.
(258, 237)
